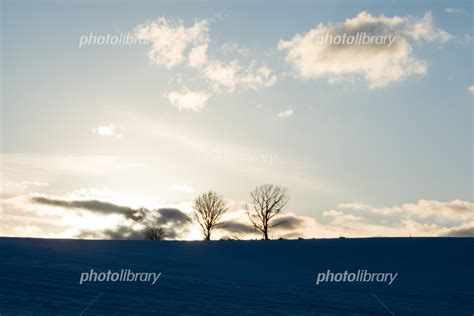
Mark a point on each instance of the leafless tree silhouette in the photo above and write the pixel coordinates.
(154, 233)
(268, 201)
(208, 209)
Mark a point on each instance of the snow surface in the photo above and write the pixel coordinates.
(41, 276)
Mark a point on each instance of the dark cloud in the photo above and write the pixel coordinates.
(236, 227)
(172, 220)
(118, 233)
(171, 216)
(95, 206)
(126, 232)
(461, 232)
(289, 221)
(287, 224)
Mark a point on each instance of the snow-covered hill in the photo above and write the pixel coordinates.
(435, 277)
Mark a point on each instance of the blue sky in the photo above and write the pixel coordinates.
(382, 129)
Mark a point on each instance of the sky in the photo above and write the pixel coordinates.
(370, 139)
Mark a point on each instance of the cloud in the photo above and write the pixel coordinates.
(454, 10)
(456, 210)
(174, 222)
(354, 206)
(286, 113)
(91, 205)
(286, 225)
(298, 226)
(227, 77)
(451, 211)
(171, 40)
(423, 218)
(387, 211)
(54, 220)
(110, 130)
(461, 231)
(221, 77)
(423, 30)
(341, 218)
(171, 216)
(173, 44)
(312, 56)
(88, 213)
(289, 221)
(182, 188)
(198, 56)
(81, 215)
(118, 233)
(238, 228)
(471, 89)
(188, 100)
(350, 225)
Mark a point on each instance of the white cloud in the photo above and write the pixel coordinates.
(471, 89)
(452, 211)
(110, 130)
(340, 218)
(454, 10)
(286, 113)
(456, 210)
(170, 40)
(198, 56)
(349, 225)
(378, 64)
(387, 211)
(423, 218)
(182, 188)
(172, 44)
(423, 30)
(221, 75)
(262, 77)
(228, 77)
(354, 206)
(188, 100)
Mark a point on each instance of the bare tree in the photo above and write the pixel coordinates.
(208, 210)
(268, 201)
(154, 233)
